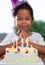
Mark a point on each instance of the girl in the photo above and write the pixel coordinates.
(23, 18)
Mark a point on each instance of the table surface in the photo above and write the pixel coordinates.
(42, 57)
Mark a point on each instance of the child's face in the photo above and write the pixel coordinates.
(23, 20)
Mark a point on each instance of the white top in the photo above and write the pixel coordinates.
(35, 38)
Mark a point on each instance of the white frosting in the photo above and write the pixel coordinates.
(22, 57)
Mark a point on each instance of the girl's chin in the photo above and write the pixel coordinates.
(22, 29)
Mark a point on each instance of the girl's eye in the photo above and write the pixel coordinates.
(19, 18)
(27, 18)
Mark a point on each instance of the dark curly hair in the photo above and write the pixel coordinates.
(24, 5)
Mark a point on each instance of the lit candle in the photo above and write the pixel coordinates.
(27, 42)
(15, 40)
(22, 42)
(31, 49)
(16, 43)
(34, 49)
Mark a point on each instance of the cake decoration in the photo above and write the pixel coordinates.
(23, 55)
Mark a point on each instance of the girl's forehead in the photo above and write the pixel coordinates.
(23, 12)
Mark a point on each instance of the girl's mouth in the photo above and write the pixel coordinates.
(24, 27)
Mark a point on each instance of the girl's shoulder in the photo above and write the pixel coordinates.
(35, 35)
(10, 37)
(36, 38)
(13, 35)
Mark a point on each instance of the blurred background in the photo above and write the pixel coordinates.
(7, 21)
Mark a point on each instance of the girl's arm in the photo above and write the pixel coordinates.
(2, 48)
(41, 49)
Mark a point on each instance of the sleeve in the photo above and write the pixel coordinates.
(9, 39)
(36, 38)
(40, 40)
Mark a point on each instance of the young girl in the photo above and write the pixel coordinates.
(23, 18)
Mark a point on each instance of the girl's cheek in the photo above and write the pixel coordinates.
(29, 23)
(18, 25)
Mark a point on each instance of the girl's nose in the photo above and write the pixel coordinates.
(24, 22)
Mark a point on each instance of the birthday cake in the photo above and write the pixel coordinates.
(20, 55)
